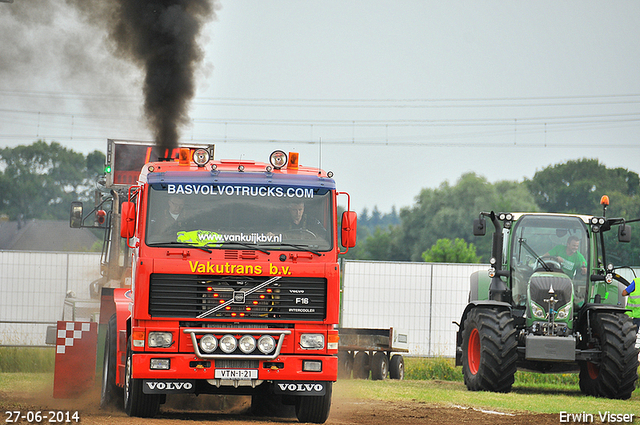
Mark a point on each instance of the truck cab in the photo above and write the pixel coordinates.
(234, 284)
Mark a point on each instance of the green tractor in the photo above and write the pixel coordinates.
(550, 303)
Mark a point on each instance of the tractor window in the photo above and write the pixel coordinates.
(543, 239)
(239, 217)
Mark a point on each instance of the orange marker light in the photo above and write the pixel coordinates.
(185, 157)
(604, 200)
(293, 160)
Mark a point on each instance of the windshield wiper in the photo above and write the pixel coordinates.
(302, 247)
(184, 244)
(246, 245)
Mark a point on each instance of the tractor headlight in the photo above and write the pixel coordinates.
(564, 312)
(537, 311)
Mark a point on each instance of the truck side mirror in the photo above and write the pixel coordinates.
(75, 215)
(624, 233)
(479, 227)
(128, 220)
(349, 229)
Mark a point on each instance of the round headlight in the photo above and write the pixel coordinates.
(278, 159)
(247, 344)
(228, 343)
(201, 157)
(266, 344)
(208, 343)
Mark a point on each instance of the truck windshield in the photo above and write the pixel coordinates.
(538, 240)
(240, 217)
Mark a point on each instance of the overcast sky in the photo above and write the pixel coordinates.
(392, 96)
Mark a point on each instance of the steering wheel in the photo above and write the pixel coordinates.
(301, 233)
(554, 265)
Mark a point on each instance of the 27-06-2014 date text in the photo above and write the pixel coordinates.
(41, 416)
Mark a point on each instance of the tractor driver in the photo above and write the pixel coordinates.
(568, 256)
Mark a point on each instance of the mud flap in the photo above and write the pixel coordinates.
(75, 368)
(299, 388)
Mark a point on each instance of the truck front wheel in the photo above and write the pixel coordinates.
(489, 350)
(110, 391)
(615, 375)
(314, 409)
(136, 402)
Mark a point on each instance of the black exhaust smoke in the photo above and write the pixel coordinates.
(161, 37)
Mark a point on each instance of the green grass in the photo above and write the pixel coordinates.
(28, 360)
(444, 369)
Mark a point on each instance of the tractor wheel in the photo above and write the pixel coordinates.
(345, 364)
(314, 409)
(361, 365)
(396, 367)
(136, 402)
(616, 374)
(379, 366)
(489, 350)
(110, 391)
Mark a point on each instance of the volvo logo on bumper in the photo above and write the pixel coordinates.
(300, 388)
(168, 387)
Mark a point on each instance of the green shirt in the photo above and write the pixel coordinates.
(571, 263)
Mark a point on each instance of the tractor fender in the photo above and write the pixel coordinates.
(497, 305)
(595, 307)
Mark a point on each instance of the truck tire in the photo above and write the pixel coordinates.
(109, 391)
(136, 402)
(314, 409)
(379, 366)
(345, 364)
(396, 367)
(361, 365)
(489, 350)
(616, 374)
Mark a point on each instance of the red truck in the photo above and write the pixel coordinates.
(229, 281)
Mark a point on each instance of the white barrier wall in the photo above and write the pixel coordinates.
(33, 287)
(420, 298)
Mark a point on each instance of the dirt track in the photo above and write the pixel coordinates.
(234, 410)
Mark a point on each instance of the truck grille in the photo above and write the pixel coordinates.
(192, 296)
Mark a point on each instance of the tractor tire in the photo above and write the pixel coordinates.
(314, 409)
(136, 402)
(489, 350)
(110, 392)
(616, 374)
(379, 366)
(345, 364)
(361, 365)
(396, 367)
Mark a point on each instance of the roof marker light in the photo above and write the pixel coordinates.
(201, 157)
(278, 159)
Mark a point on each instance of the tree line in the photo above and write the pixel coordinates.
(40, 181)
(438, 226)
